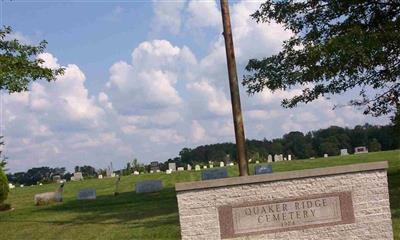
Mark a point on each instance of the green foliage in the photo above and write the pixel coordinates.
(19, 65)
(3, 186)
(337, 46)
(374, 146)
(299, 145)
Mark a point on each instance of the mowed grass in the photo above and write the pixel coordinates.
(142, 216)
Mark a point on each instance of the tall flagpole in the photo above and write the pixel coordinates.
(234, 88)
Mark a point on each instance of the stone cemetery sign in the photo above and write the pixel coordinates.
(214, 174)
(286, 215)
(262, 169)
(148, 186)
(289, 205)
(87, 194)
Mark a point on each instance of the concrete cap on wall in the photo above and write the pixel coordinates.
(280, 176)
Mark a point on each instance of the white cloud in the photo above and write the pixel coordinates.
(198, 132)
(167, 16)
(203, 14)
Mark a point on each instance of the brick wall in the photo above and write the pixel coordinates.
(198, 208)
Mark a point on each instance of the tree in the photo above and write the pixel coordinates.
(19, 64)
(374, 145)
(337, 46)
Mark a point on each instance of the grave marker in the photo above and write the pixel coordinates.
(87, 194)
(214, 174)
(263, 169)
(148, 186)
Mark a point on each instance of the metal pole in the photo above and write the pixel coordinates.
(235, 97)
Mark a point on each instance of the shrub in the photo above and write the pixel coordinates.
(3, 186)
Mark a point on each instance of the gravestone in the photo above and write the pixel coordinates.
(281, 157)
(263, 169)
(87, 194)
(56, 178)
(343, 152)
(189, 167)
(135, 173)
(361, 149)
(284, 159)
(269, 158)
(158, 170)
(325, 155)
(168, 171)
(151, 171)
(197, 167)
(231, 164)
(276, 158)
(214, 174)
(11, 186)
(100, 176)
(289, 157)
(172, 166)
(180, 169)
(154, 166)
(78, 176)
(204, 167)
(221, 164)
(211, 165)
(257, 162)
(148, 186)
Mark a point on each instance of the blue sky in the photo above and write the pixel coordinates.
(143, 79)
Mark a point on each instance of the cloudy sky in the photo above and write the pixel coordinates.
(143, 79)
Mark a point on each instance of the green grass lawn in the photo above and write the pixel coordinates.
(142, 216)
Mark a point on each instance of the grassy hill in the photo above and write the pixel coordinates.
(142, 216)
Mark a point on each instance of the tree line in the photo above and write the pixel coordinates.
(299, 145)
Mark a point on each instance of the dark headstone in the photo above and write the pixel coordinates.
(214, 174)
(87, 194)
(263, 169)
(148, 186)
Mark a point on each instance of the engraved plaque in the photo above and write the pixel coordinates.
(286, 214)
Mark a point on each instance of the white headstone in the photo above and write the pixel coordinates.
(289, 157)
(284, 159)
(325, 155)
(197, 167)
(189, 167)
(221, 164)
(112, 174)
(172, 166)
(211, 165)
(269, 158)
(135, 173)
(343, 152)
(231, 164)
(22, 185)
(100, 176)
(180, 169)
(151, 171)
(257, 161)
(158, 170)
(78, 176)
(204, 167)
(169, 171)
(10, 186)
